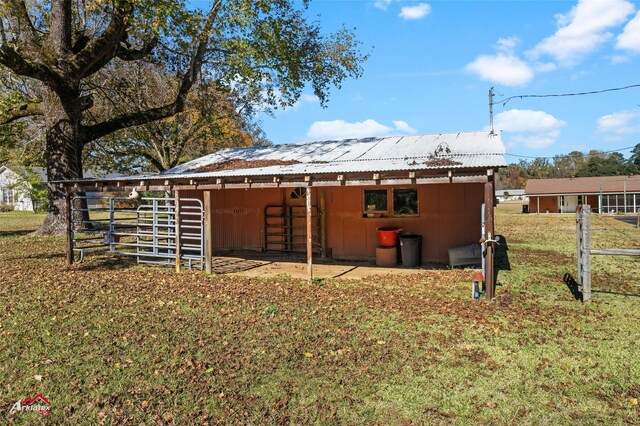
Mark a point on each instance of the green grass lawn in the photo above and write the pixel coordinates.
(109, 342)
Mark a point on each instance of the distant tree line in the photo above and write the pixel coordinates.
(574, 164)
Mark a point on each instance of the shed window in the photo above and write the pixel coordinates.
(298, 193)
(375, 200)
(405, 202)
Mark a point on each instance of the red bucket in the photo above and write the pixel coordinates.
(388, 236)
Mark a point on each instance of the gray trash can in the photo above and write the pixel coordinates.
(411, 249)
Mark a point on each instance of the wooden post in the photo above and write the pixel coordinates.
(309, 237)
(69, 229)
(177, 221)
(208, 232)
(489, 235)
(538, 209)
(586, 253)
(323, 224)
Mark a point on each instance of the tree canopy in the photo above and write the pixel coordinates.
(574, 164)
(264, 48)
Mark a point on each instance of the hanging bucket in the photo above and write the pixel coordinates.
(388, 236)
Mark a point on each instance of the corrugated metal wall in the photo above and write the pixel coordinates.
(449, 216)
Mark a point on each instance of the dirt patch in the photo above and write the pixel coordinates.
(242, 164)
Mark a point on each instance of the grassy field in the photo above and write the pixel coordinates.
(108, 342)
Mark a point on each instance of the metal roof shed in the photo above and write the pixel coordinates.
(331, 168)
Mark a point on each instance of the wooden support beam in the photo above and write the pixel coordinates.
(208, 233)
(489, 235)
(69, 229)
(309, 238)
(177, 220)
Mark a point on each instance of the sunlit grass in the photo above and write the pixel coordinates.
(133, 345)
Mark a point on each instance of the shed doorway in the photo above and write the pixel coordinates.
(285, 226)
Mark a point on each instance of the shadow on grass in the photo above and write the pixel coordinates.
(15, 233)
(617, 293)
(572, 285)
(110, 263)
(45, 256)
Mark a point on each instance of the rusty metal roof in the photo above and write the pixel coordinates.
(418, 152)
(583, 185)
(466, 150)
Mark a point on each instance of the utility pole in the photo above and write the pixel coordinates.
(491, 95)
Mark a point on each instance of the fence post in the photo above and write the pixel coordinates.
(579, 242)
(586, 253)
(69, 220)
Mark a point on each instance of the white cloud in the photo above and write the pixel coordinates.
(501, 68)
(305, 99)
(620, 123)
(533, 129)
(340, 129)
(583, 30)
(620, 59)
(418, 11)
(382, 4)
(630, 37)
(507, 44)
(403, 126)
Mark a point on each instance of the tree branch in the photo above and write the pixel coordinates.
(60, 29)
(27, 110)
(16, 63)
(102, 49)
(21, 23)
(137, 118)
(127, 54)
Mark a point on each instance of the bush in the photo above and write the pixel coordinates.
(4, 207)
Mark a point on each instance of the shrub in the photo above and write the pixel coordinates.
(4, 207)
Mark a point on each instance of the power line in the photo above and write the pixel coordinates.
(558, 95)
(569, 155)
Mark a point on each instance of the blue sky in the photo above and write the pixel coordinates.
(432, 64)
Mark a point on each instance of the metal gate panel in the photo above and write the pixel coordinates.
(147, 230)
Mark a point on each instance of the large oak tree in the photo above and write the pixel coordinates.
(265, 45)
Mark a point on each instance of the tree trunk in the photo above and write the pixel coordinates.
(63, 116)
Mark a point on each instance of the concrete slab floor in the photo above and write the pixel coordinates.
(296, 267)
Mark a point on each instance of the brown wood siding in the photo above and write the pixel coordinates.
(548, 203)
(449, 216)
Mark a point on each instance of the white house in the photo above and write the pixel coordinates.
(510, 194)
(13, 187)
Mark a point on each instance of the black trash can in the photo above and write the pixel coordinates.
(411, 249)
(525, 208)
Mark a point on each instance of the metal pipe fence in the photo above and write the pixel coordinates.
(148, 229)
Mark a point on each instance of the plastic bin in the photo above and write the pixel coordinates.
(525, 208)
(388, 236)
(411, 248)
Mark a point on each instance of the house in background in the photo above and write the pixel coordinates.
(510, 194)
(605, 194)
(14, 187)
